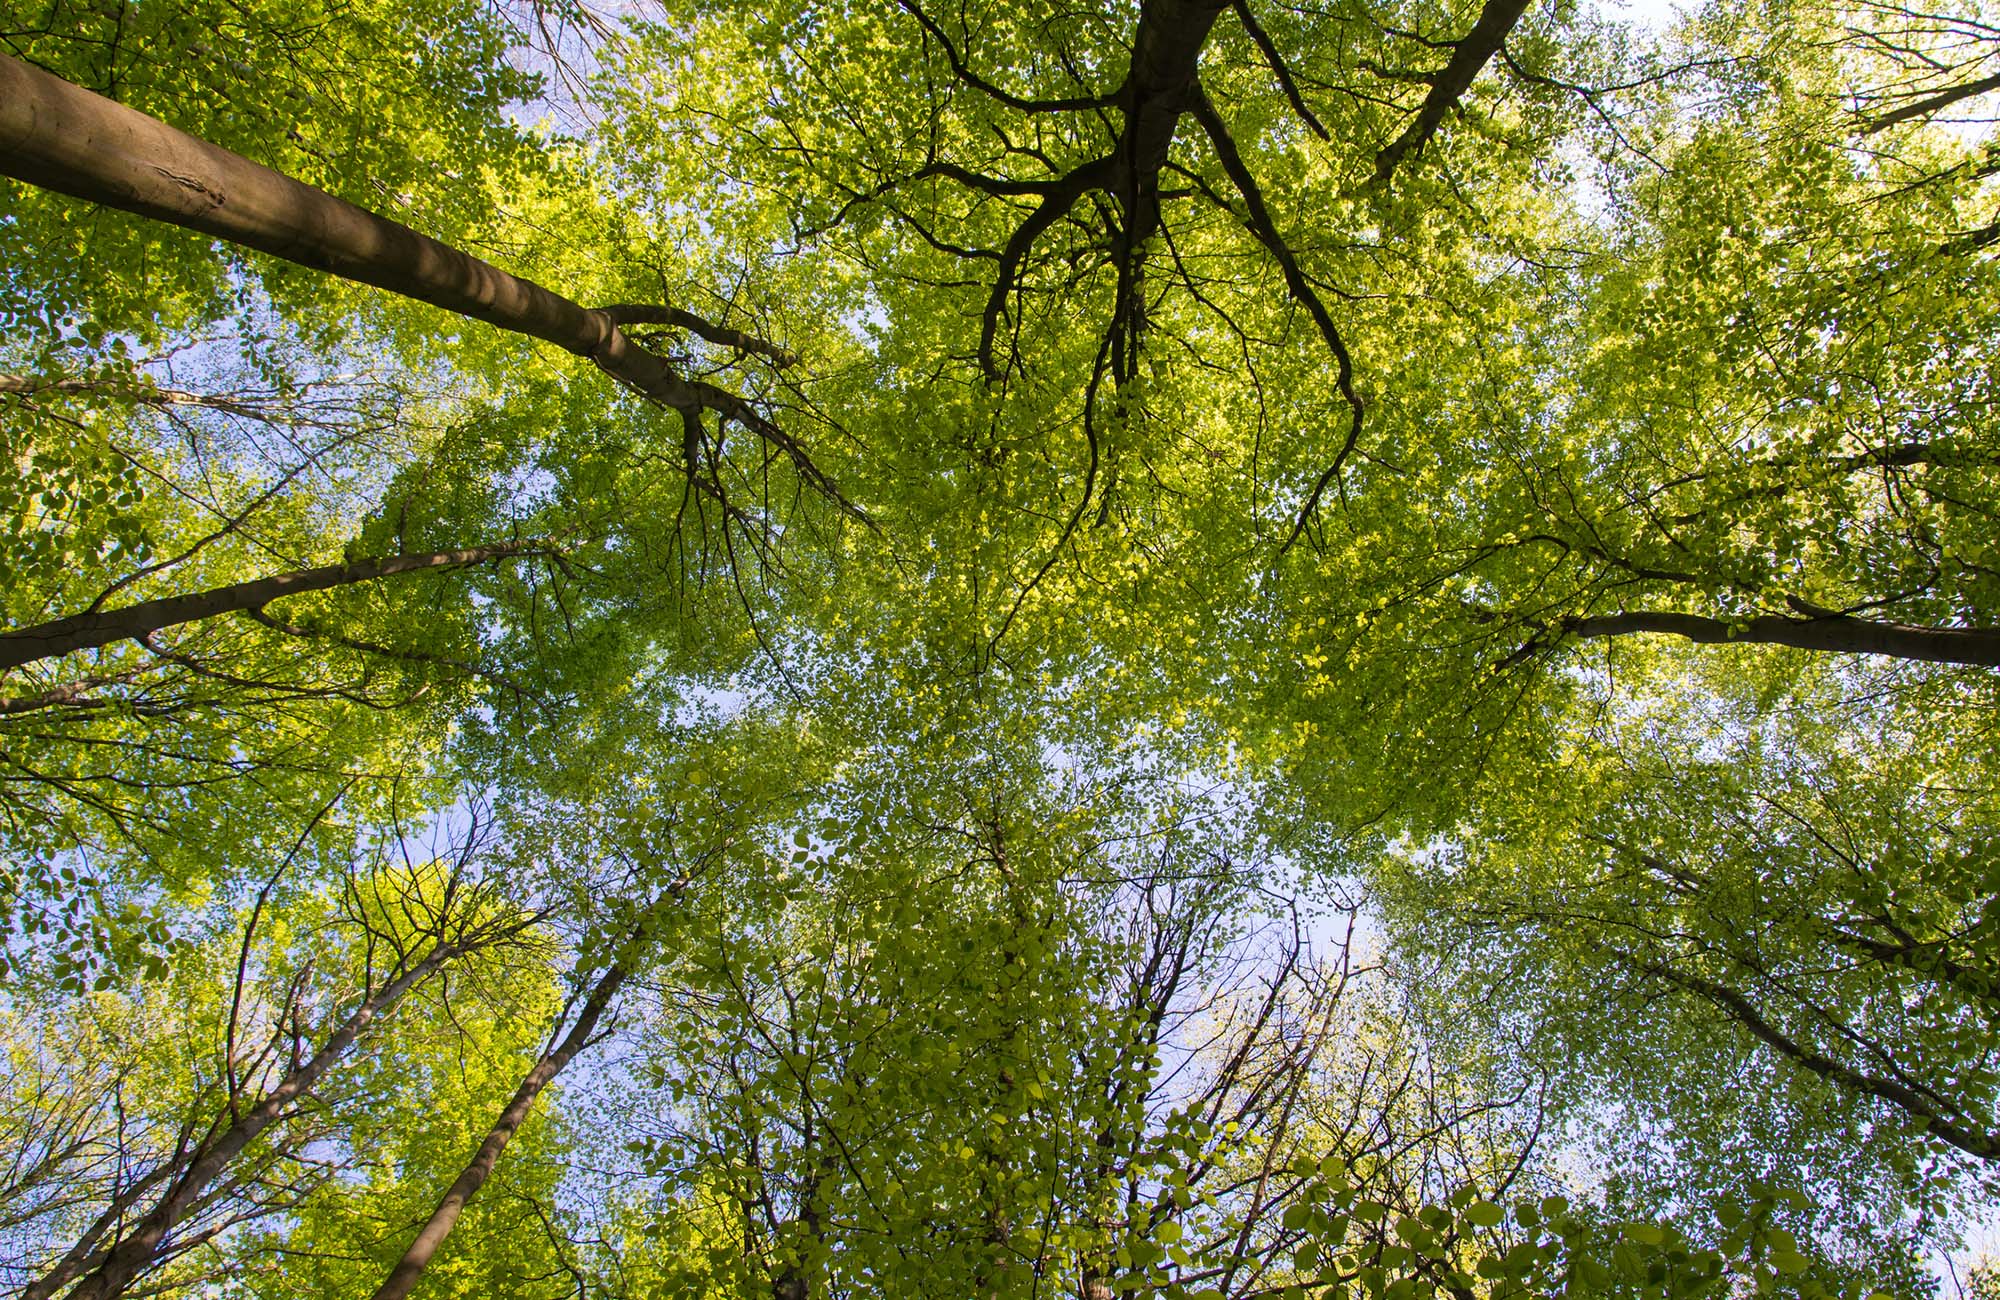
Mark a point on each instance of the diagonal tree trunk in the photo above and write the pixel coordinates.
(64, 138)
(86, 1252)
(1938, 1117)
(137, 1249)
(89, 630)
(410, 1268)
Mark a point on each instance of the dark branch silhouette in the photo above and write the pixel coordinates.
(1469, 55)
(136, 622)
(1265, 229)
(1820, 630)
(1739, 1008)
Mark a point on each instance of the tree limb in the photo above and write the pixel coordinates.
(1266, 231)
(965, 74)
(1469, 54)
(623, 314)
(1061, 197)
(1825, 631)
(137, 1250)
(1279, 68)
(100, 628)
(64, 138)
(1740, 1009)
(135, 389)
(410, 1268)
(1925, 107)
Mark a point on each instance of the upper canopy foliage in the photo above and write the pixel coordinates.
(1172, 648)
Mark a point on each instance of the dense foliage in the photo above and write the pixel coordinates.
(1163, 649)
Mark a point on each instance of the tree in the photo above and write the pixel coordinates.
(1813, 915)
(1088, 488)
(267, 1054)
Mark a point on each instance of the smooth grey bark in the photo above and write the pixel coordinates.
(64, 138)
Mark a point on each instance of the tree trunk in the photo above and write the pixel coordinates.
(404, 1276)
(65, 138)
(90, 630)
(1166, 48)
(1157, 92)
(84, 1252)
(136, 1251)
(1837, 633)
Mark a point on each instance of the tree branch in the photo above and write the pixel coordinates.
(1061, 197)
(410, 1268)
(64, 138)
(623, 314)
(88, 631)
(1266, 231)
(1071, 104)
(135, 389)
(138, 1249)
(1279, 68)
(1740, 1009)
(1925, 107)
(1826, 631)
(1469, 55)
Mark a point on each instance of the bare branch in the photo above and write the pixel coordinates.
(1071, 104)
(1469, 55)
(623, 314)
(1265, 229)
(90, 630)
(1279, 68)
(1740, 1009)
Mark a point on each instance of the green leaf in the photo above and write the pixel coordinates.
(1484, 1214)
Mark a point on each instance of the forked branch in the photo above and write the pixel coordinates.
(65, 138)
(1469, 55)
(627, 313)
